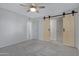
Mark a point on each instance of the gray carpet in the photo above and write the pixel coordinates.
(38, 48)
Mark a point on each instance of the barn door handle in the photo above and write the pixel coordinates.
(48, 29)
(63, 29)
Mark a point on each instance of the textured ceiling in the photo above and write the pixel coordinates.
(50, 8)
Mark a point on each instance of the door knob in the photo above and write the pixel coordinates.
(63, 29)
(48, 29)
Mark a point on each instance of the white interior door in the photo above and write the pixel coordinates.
(29, 30)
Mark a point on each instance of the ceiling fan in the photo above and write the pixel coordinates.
(32, 7)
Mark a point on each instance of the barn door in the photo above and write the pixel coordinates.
(46, 29)
(68, 30)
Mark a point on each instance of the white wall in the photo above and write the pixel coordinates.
(12, 28)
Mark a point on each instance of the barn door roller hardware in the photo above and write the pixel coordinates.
(49, 17)
(72, 12)
(44, 18)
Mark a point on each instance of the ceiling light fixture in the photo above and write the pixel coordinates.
(32, 9)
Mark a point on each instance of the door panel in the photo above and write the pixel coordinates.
(68, 30)
(29, 30)
(46, 29)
